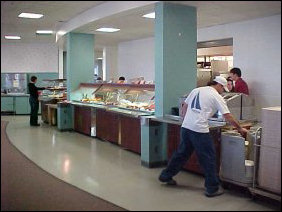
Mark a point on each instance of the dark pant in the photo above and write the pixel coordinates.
(34, 106)
(203, 145)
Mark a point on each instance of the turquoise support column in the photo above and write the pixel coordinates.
(175, 54)
(175, 71)
(80, 60)
(152, 134)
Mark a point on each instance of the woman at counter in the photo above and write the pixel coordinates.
(33, 101)
(230, 84)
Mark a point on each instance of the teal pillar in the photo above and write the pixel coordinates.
(175, 54)
(153, 153)
(80, 60)
(175, 71)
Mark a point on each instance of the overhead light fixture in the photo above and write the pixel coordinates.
(107, 29)
(149, 15)
(61, 32)
(45, 32)
(12, 37)
(99, 58)
(30, 15)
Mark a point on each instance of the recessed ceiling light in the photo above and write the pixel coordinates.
(44, 32)
(30, 15)
(107, 29)
(149, 15)
(12, 37)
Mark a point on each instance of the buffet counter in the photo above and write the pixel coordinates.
(122, 127)
(111, 112)
(171, 119)
(173, 138)
(117, 112)
(14, 95)
(117, 125)
(124, 111)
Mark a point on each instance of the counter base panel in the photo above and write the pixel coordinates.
(130, 134)
(82, 117)
(154, 164)
(192, 164)
(107, 126)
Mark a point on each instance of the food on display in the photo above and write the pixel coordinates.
(135, 98)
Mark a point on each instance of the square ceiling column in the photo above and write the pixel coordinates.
(175, 54)
(80, 60)
(175, 73)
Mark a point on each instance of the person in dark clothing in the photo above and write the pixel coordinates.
(33, 101)
(121, 80)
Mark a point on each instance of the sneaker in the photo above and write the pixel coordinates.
(168, 181)
(217, 193)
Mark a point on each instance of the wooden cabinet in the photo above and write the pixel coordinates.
(111, 126)
(82, 119)
(44, 108)
(107, 126)
(192, 164)
(130, 133)
(119, 129)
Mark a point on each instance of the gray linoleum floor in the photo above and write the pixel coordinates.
(116, 175)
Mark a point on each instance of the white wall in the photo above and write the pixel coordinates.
(257, 52)
(110, 67)
(29, 57)
(137, 58)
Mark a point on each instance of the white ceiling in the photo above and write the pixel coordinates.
(132, 25)
(55, 13)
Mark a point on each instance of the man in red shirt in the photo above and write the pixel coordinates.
(240, 85)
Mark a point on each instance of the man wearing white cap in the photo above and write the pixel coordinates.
(201, 104)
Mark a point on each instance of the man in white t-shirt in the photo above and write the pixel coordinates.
(201, 104)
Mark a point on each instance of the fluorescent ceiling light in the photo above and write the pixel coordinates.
(30, 15)
(12, 37)
(61, 32)
(99, 58)
(149, 15)
(107, 30)
(44, 32)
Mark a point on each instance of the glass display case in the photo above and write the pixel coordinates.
(56, 91)
(55, 88)
(138, 97)
(84, 93)
(119, 96)
(110, 94)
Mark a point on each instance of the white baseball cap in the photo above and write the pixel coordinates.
(222, 81)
